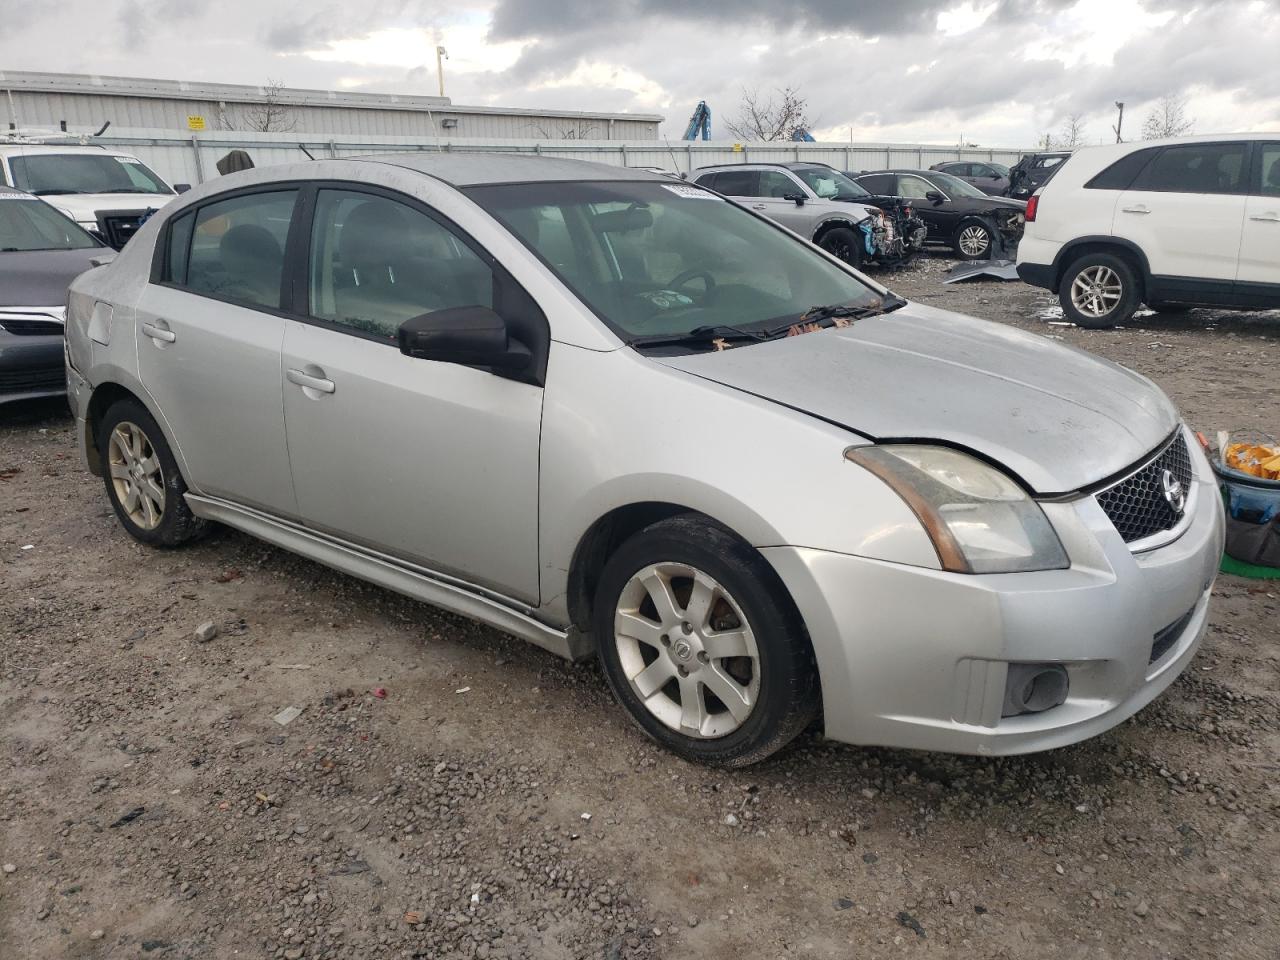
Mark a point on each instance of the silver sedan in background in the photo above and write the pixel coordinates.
(624, 417)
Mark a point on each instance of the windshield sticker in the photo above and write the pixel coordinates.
(18, 196)
(692, 193)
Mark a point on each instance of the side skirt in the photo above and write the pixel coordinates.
(413, 581)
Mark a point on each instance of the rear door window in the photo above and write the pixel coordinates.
(237, 248)
(1196, 168)
(881, 184)
(738, 183)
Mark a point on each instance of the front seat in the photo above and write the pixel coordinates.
(380, 283)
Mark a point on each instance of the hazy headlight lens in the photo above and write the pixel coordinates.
(980, 521)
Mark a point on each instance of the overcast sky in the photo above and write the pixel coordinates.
(998, 72)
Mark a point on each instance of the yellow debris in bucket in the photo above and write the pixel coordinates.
(1256, 459)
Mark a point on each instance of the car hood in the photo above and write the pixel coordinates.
(83, 207)
(1059, 418)
(39, 278)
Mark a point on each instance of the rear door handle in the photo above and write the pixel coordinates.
(1267, 217)
(1136, 208)
(159, 331)
(303, 379)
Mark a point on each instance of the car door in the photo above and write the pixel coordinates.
(1258, 276)
(1185, 211)
(209, 331)
(937, 216)
(434, 463)
(772, 190)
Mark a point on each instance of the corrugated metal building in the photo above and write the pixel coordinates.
(81, 103)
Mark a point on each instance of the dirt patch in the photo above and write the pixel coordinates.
(151, 807)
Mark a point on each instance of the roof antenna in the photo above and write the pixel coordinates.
(674, 165)
(102, 129)
(306, 151)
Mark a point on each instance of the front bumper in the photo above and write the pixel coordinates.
(917, 658)
(31, 367)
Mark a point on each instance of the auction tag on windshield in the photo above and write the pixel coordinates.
(693, 193)
(18, 196)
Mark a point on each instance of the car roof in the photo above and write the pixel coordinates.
(476, 169)
(30, 148)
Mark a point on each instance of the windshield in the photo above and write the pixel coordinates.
(830, 184)
(30, 224)
(955, 187)
(50, 174)
(665, 259)
(999, 168)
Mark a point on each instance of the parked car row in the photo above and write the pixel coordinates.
(624, 417)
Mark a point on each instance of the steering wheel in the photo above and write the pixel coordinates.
(690, 275)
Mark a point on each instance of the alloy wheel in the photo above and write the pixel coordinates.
(974, 241)
(136, 475)
(687, 650)
(1096, 290)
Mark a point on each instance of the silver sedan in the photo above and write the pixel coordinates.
(623, 417)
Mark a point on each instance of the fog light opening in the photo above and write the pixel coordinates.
(1034, 688)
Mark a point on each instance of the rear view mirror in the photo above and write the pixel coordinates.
(181, 187)
(471, 336)
(621, 221)
(934, 196)
(796, 198)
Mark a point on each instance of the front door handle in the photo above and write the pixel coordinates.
(304, 379)
(1267, 217)
(1136, 208)
(159, 331)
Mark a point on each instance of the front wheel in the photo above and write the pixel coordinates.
(844, 243)
(1099, 291)
(974, 241)
(702, 645)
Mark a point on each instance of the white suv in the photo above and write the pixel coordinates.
(1170, 223)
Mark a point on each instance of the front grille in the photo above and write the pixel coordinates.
(31, 328)
(43, 377)
(1137, 505)
(1166, 638)
(117, 226)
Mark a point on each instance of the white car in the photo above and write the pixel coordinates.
(105, 192)
(625, 417)
(1171, 223)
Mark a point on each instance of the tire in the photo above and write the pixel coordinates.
(1106, 287)
(136, 457)
(1170, 307)
(753, 637)
(973, 240)
(844, 243)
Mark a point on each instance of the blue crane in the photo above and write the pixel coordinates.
(700, 122)
(801, 135)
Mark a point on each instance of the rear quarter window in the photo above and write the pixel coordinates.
(1123, 172)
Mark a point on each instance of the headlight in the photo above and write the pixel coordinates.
(980, 521)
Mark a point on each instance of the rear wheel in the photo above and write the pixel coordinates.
(142, 478)
(702, 645)
(1099, 290)
(844, 243)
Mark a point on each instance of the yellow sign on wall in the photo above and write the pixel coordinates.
(195, 122)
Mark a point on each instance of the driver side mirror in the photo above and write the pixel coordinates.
(471, 336)
(796, 198)
(934, 197)
(181, 188)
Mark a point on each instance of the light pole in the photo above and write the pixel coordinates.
(1119, 120)
(441, 56)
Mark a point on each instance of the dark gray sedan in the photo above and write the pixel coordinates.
(989, 177)
(41, 252)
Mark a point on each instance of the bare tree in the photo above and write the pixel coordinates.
(572, 131)
(775, 117)
(1168, 118)
(271, 115)
(1071, 134)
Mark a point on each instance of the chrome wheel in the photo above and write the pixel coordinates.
(687, 650)
(974, 241)
(1096, 291)
(136, 476)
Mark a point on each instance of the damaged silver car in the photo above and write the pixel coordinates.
(624, 418)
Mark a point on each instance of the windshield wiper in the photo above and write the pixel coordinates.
(698, 335)
(53, 192)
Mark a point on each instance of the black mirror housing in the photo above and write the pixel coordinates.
(473, 336)
(181, 188)
(933, 196)
(796, 198)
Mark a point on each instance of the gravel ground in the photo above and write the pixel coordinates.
(449, 792)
